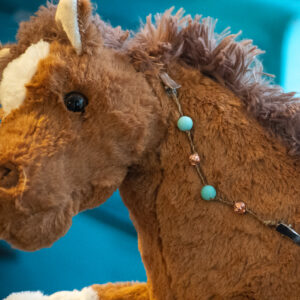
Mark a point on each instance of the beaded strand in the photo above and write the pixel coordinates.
(208, 192)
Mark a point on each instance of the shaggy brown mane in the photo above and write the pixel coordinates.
(232, 63)
(192, 42)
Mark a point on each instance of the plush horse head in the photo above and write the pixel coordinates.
(75, 119)
(89, 108)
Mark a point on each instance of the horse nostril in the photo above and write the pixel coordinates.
(9, 176)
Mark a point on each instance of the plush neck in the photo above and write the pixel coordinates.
(193, 249)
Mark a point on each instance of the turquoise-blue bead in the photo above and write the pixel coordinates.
(208, 192)
(185, 123)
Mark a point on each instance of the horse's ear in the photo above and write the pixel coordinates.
(74, 16)
(4, 52)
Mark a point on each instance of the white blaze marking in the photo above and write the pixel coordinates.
(86, 294)
(18, 73)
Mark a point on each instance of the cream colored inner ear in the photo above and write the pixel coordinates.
(4, 52)
(67, 15)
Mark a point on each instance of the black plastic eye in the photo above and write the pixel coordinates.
(75, 102)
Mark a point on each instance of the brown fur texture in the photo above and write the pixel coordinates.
(127, 138)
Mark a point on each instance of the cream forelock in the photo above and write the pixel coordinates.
(18, 73)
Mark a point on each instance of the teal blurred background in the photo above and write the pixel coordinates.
(102, 244)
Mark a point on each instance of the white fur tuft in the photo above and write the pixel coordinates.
(18, 73)
(86, 294)
(27, 296)
(67, 14)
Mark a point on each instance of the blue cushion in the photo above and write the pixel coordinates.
(290, 63)
(8, 28)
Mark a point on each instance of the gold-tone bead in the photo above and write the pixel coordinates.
(194, 159)
(239, 207)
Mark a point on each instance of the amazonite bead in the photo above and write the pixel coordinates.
(208, 192)
(185, 123)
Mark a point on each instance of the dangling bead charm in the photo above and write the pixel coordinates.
(194, 159)
(208, 192)
(185, 123)
(239, 207)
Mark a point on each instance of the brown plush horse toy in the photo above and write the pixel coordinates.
(183, 121)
